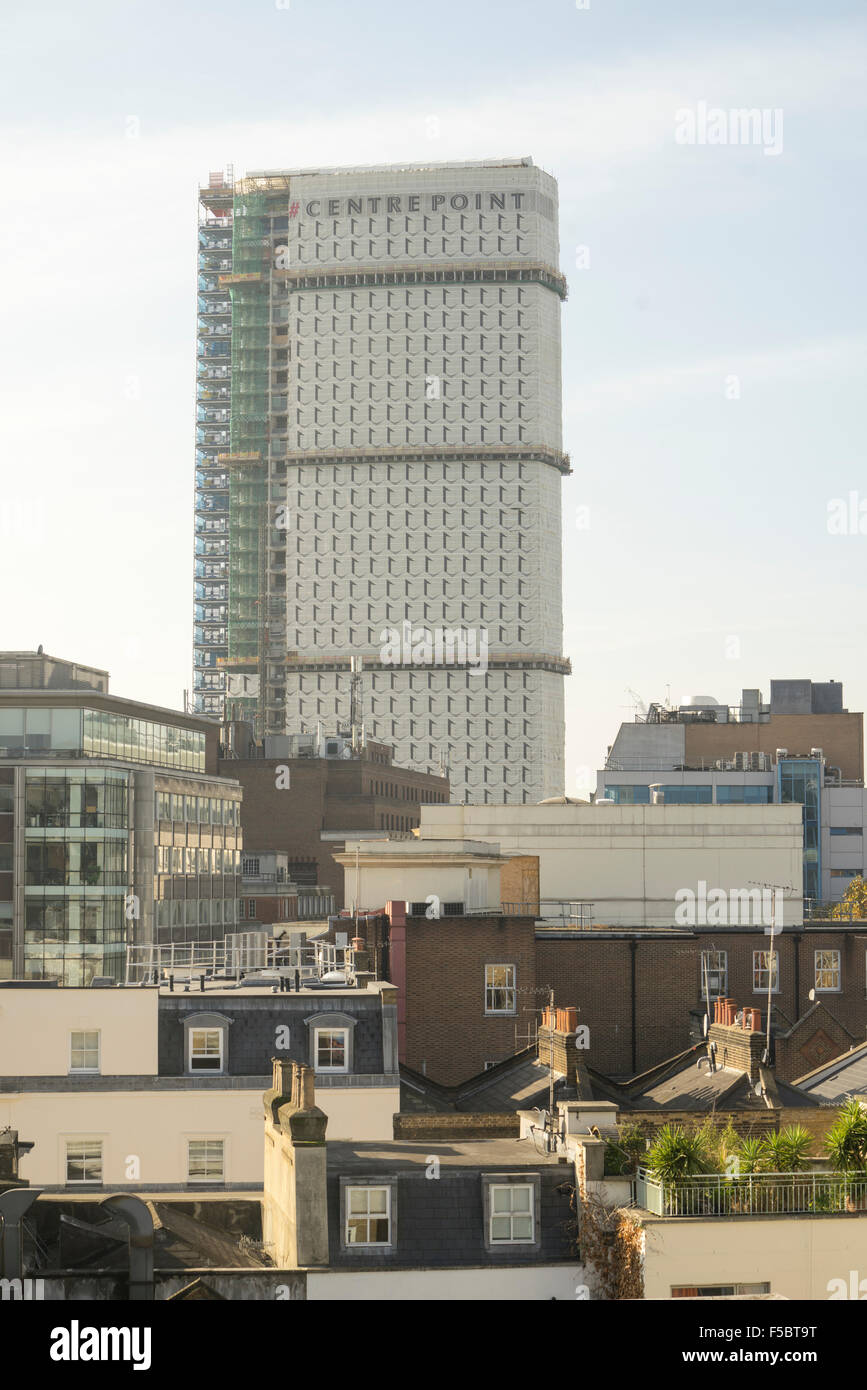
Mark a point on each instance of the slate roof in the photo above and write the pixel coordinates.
(836, 1081)
(439, 1214)
(521, 1083)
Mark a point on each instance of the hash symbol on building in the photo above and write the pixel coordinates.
(294, 209)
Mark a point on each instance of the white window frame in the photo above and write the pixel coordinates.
(511, 989)
(206, 1071)
(215, 1139)
(759, 970)
(493, 1215)
(366, 1216)
(82, 1032)
(708, 971)
(836, 970)
(328, 1028)
(719, 1290)
(82, 1143)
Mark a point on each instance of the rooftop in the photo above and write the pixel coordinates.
(524, 161)
(501, 1155)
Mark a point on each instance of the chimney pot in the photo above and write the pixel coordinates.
(306, 1080)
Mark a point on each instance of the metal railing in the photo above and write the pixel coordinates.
(824, 912)
(552, 911)
(754, 1194)
(240, 954)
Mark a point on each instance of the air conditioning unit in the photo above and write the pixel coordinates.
(781, 753)
(817, 753)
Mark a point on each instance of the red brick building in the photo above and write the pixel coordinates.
(472, 988)
(290, 801)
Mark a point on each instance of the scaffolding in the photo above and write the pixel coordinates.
(248, 287)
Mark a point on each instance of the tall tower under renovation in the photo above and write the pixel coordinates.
(378, 515)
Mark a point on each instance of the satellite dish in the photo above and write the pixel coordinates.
(812, 996)
(757, 1089)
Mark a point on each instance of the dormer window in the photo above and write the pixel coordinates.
(206, 1039)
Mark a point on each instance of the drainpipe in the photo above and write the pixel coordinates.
(633, 951)
(796, 942)
(133, 1211)
(15, 1202)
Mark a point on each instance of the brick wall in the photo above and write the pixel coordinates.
(325, 795)
(595, 971)
(818, 1038)
(558, 1049)
(840, 736)
(740, 1049)
(441, 1128)
(448, 1034)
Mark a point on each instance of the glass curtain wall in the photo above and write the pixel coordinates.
(76, 873)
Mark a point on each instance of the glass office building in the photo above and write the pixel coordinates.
(91, 733)
(114, 827)
(800, 780)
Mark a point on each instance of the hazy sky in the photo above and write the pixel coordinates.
(714, 336)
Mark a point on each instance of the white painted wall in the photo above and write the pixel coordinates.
(154, 1126)
(432, 1285)
(797, 1256)
(630, 861)
(35, 1025)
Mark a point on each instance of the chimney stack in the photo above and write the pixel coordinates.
(739, 1045)
(294, 1205)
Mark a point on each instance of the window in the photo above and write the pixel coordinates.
(205, 1160)
(718, 1290)
(746, 796)
(766, 972)
(84, 1160)
(827, 970)
(84, 1051)
(511, 1215)
(205, 1049)
(250, 867)
(500, 992)
(368, 1215)
(331, 1049)
(846, 830)
(714, 975)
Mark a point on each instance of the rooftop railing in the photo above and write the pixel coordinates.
(551, 911)
(756, 1194)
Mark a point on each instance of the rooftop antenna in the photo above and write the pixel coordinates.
(356, 664)
(550, 1125)
(774, 888)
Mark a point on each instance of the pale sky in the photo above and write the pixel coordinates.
(714, 336)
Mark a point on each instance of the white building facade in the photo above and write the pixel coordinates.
(410, 480)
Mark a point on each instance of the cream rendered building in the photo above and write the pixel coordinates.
(630, 862)
(142, 1089)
